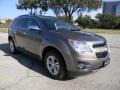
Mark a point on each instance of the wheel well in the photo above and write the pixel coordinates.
(49, 48)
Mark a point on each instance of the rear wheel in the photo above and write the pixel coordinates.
(55, 65)
(12, 46)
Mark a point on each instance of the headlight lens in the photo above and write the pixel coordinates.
(79, 46)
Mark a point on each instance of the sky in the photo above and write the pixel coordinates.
(8, 10)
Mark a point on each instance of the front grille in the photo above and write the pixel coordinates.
(99, 45)
(101, 54)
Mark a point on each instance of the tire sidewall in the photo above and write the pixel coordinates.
(11, 41)
(61, 73)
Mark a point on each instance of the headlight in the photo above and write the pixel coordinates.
(79, 46)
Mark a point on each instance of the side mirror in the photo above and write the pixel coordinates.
(34, 28)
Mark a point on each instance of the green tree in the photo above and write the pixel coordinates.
(6, 24)
(33, 5)
(69, 7)
(107, 21)
(118, 23)
(8, 21)
(66, 7)
(85, 21)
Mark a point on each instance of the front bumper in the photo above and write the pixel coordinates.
(90, 65)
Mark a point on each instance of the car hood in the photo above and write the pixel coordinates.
(81, 35)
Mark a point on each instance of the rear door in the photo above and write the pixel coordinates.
(20, 32)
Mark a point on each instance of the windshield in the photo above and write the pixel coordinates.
(58, 25)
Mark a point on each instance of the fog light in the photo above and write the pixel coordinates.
(81, 66)
(84, 66)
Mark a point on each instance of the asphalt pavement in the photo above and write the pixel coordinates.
(21, 72)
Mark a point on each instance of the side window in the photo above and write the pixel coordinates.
(32, 22)
(49, 23)
(21, 23)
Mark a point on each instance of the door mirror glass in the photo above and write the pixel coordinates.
(34, 28)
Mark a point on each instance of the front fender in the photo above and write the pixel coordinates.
(62, 47)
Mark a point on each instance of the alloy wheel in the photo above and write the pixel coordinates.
(53, 65)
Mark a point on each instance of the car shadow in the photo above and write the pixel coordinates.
(29, 62)
(24, 59)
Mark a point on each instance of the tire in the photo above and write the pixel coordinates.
(55, 65)
(12, 47)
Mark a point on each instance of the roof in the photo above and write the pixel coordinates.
(36, 16)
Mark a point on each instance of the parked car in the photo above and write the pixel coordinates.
(63, 48)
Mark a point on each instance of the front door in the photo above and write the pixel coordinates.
(33, 38)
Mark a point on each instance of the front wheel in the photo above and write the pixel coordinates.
(55, 65)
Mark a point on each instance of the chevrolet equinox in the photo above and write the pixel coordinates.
(63, 48)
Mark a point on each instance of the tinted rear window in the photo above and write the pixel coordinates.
(21, 23)
(32, 22)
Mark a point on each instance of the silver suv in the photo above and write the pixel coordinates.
(63, 48)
